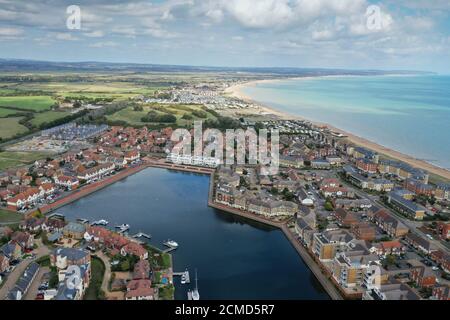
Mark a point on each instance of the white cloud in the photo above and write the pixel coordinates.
(10, 33)
(66, 36)
(95, 34)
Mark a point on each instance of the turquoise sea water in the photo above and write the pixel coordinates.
(410, 114)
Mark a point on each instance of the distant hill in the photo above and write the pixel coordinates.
(15, 65)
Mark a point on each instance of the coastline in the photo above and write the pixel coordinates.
(236, 91)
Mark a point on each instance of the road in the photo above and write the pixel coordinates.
(34, 288)
(20, 268)
(106, 278)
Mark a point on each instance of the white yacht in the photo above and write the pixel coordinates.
(195, 294)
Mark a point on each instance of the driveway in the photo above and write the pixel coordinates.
(106, 278)
(12, 278)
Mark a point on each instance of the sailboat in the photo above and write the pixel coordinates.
(195, 294)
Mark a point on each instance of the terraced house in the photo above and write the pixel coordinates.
(97, 172)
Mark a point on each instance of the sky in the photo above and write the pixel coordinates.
(350, 34)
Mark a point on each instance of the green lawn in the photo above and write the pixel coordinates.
(94, 291)
(9, 127)
(48, 116)
(30, 103)
(7, 217)
(9, 159)
(6, 112)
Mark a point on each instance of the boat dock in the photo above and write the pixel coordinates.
(142, 235)
(56, 215)
(170, 249)
(185, 278)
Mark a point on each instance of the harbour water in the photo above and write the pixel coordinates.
(410, 114)
(235, 258)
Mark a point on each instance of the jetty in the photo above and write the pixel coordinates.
(142, 235)
(57, 215)
(185, 278)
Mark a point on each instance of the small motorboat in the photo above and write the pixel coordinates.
(171, 244)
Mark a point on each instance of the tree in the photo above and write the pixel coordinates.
(125, 265)
(328, 206)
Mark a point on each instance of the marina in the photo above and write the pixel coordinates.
(210, 238)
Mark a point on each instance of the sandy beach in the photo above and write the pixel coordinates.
(236, 91)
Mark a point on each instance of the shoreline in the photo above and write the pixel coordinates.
(236, 92)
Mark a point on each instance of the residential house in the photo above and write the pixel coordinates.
(411, 209)
(140, 290)
(424, 277)
(327, 244)
(420, 243)
(441, 293)
(306, 227)
(386, 248)
(443, 230)
(65, 257)
(4, 263)
(391, 291)
(23, 239)
(11, 250)
(349, 265)
(392, 226)
(345, 218)
(141, 270)
(135, 249)
(67, 182)
(24, 282)
(363, 231)
(74, 230)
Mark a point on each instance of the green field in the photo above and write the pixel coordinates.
(13, 159)
(9, 217)
(6, 112)
(132, 117)
(48, 116)
(9, 127)
(29, 103)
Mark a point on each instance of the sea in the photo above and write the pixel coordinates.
(409, 114)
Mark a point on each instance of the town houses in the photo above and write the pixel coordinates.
(374, 227)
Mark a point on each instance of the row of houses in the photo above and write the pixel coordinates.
(247, 201)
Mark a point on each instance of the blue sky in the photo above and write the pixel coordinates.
(412, 34)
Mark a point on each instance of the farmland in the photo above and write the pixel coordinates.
(9, 127)
(185, 114)
(13, 159)
(47, 117)
(42, 99)
(28, 103)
